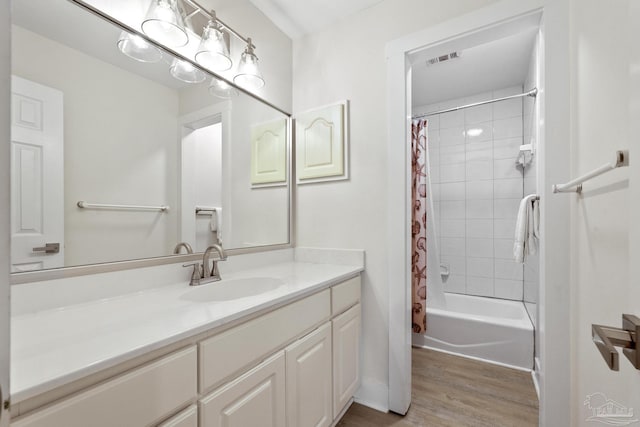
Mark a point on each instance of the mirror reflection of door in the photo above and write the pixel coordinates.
(37, 176)
(201, 177)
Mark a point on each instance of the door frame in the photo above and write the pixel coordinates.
(5, 213)
(554, 295)
(217, 113)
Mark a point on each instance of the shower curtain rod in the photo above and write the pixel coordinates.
(533, 92)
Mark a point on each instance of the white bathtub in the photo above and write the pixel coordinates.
(489, 329)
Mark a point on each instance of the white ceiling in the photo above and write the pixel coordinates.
(495, 65)
(299, 17)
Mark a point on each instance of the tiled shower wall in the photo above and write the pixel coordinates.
(476, 189)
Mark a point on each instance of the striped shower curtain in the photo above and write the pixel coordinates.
(419, 225)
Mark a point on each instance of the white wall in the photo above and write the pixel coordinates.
(633, 102)
(260, 215)
(604, 280)
(118, 149)
(5, 96)
(253, 216)
(347, 61)
(477, 188)
(273, 47)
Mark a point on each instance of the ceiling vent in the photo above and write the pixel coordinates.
(443, 58)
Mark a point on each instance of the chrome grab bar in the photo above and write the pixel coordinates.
(86, 205)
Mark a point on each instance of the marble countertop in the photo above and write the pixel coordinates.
(53, 347)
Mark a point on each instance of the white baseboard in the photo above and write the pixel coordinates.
(341, 414)
(535, 375)
(373, 394)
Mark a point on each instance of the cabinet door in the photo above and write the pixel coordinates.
(346, 357)
(255, 399)
(186, 418)
(309, 402)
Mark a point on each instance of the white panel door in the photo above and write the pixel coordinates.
(37, 176)
(309, 402)
(256, 399)
(346, 357)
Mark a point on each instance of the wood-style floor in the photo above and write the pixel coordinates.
(455, 391)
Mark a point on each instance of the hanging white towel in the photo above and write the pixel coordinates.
(213, 221)
(216, 222)
(525, 242)
(536, 219)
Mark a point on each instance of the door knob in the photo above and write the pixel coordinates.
(48, 248)
(606, 338)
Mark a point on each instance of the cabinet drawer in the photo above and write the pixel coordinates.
(186, 418)
(345, 295)
(255, 399)
(229, 352)
(138, 398)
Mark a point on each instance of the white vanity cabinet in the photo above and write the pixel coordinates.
(186, 418)
(309, 380)
(141, 397)
(345, 331)
(346, 357)
(295, 365)
(256, 398)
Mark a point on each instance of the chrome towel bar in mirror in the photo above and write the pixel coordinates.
(86, 205)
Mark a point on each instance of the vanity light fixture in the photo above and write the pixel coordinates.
(165, 24)
(135, 47)
(221, 89)
(182, 70)
(473, 132)
(213, 51)
(248, 75)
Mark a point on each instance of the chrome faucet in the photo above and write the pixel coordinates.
(202, 273)
(214, 274)
(181, 245)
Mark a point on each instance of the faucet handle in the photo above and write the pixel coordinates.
(196, 275)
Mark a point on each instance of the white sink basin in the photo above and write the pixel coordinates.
(227, 290)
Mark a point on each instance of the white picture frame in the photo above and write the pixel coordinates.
(322, 144)
(269, 154)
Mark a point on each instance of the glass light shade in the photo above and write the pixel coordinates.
(186, 72)
(135, 47)
(165, 24)
(213, 52)
(222, 89)
(248, 75)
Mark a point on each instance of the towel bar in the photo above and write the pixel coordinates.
(607, 338)
(86, 205)
(621, 159)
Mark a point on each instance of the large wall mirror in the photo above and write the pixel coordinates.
(114, 159)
